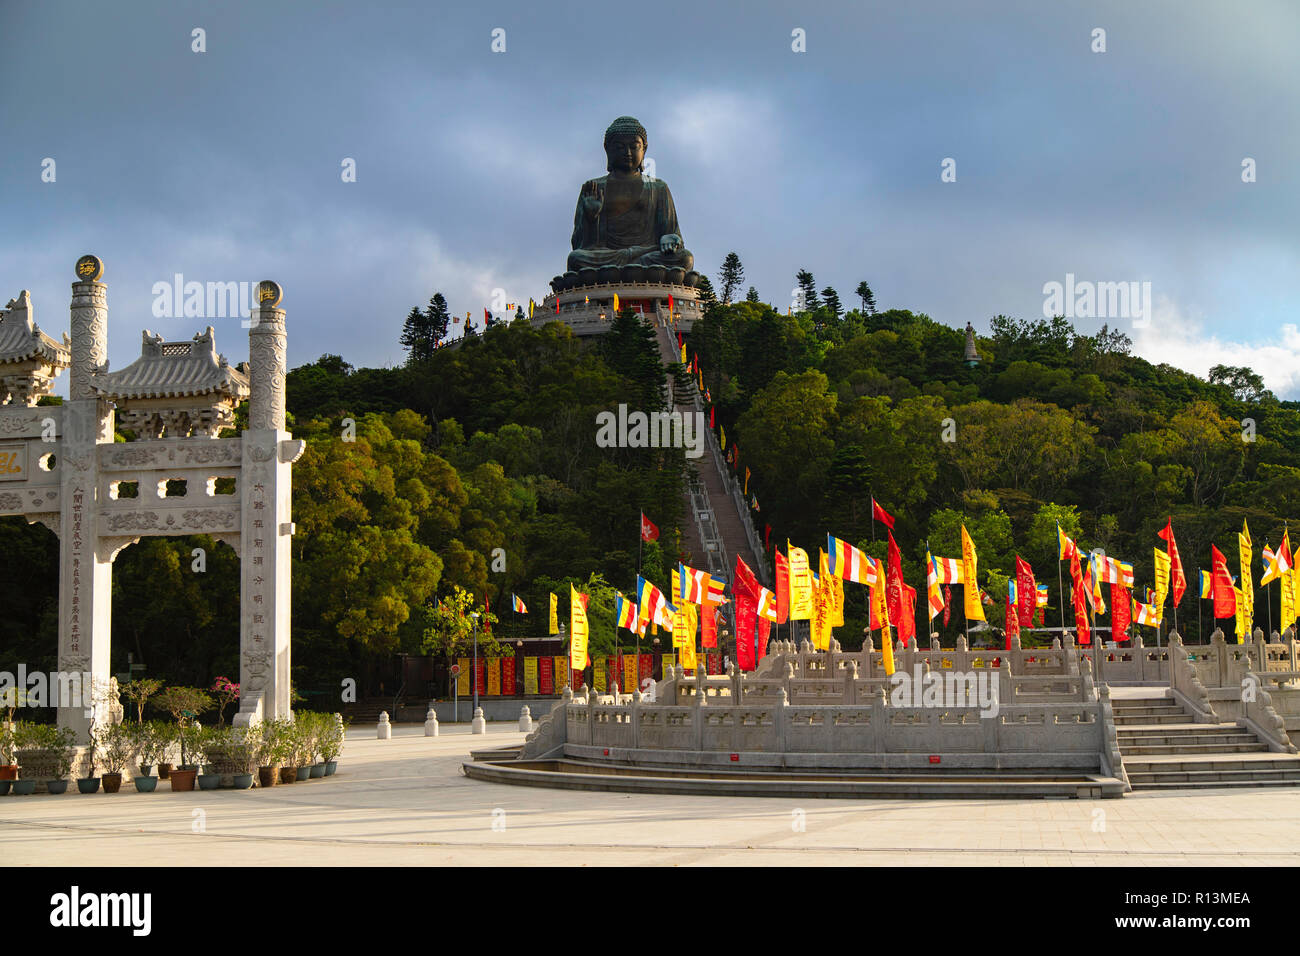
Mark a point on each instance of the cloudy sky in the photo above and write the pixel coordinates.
(225, 165)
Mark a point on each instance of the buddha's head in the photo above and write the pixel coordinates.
(625, 143)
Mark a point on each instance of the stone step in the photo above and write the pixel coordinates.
(1211, 784)
(1176, 740)
(1247, 746)
(1139, 719)
(1149, 709)
(1289, 764)
(1142, 779)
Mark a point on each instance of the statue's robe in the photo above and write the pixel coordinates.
(633, 236)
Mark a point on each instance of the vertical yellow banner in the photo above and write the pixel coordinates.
(801, 589)
(462, 679)
(601, 684)
(555, 620)
(530, 676)
(629, 673)
(577, 631)
(494, 677)
(561, 674)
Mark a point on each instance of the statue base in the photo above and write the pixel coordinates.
(589, 309)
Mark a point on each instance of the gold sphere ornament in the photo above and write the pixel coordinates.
(269, 293)
(90, 268)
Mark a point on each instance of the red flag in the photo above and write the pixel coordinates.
(670, 314)
(679, 335)
(745, 580)
(711, 424)
(746, 617)
(1013, 622)
(709, 625)
(767, 536)
(881, 514)
(557, 305)
(1121, 611)
(487, 623)
(782, 587)
(1221, 589)
(1026, 594)
(1080, 605)
(1177, 579)
(584, 597)
(649, 531)
(487, 316)
(947, 603)
(894, 595)
(764, 627)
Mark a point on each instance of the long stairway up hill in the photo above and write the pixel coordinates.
(715, 533)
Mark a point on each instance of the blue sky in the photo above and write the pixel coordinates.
(225, 165)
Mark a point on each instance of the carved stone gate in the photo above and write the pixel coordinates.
(59, 466)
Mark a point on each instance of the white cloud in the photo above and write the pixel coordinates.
(1178, 339)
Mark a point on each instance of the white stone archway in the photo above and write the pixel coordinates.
(178, 396)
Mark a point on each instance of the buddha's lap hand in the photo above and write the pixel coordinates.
(670, 243)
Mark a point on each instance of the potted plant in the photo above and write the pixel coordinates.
(226, 692)
(243, 755)
(87, 782)
(185, 704)
(304, 744)
(117, 746)
(267, 741)
(151, 741)
(213, 744)
(139, 691)
(285, 750)
(331, 743)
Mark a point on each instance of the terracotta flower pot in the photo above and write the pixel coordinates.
(112, 782)
(163, 770)
(266, 776)
(182, 781)
(288, 774)
(9, 771)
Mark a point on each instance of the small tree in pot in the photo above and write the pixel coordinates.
(185, 704)
(139, 691)
(117, 746)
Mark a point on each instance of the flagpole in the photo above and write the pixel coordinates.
(1060, 583)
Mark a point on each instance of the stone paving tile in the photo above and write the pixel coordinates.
(405, 802)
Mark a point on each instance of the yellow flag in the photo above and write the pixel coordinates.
(555, 620)
(684, 626)
(1162, 579)
(801, 596)
(1240, 616)
(974, 609)
(616, 303)
(1287, 587)
(723, 433)
(577, 631)
(683, 353)
(1246, 603)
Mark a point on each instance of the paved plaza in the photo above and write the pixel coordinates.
(405, 802)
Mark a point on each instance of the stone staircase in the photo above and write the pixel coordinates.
(1164, 749)
(725, 518)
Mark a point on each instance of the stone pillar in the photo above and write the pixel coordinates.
(267, 529)
(85, 575)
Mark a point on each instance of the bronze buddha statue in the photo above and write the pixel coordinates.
(622, 218)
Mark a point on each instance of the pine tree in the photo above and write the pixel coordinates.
(438, 317)
(752, 295)
(706, 290)
(731, 276)
(831, 299)
(415, 336)
(808, 286)
(868, 300)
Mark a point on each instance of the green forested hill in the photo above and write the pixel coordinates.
(492, 445)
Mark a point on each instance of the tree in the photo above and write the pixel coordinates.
(808, 291)
(751, 295)
(706, 290)
(731, 276)
(415, 336)
(831, 299)
(1245, 385)
(437, 317)
(868, 300)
